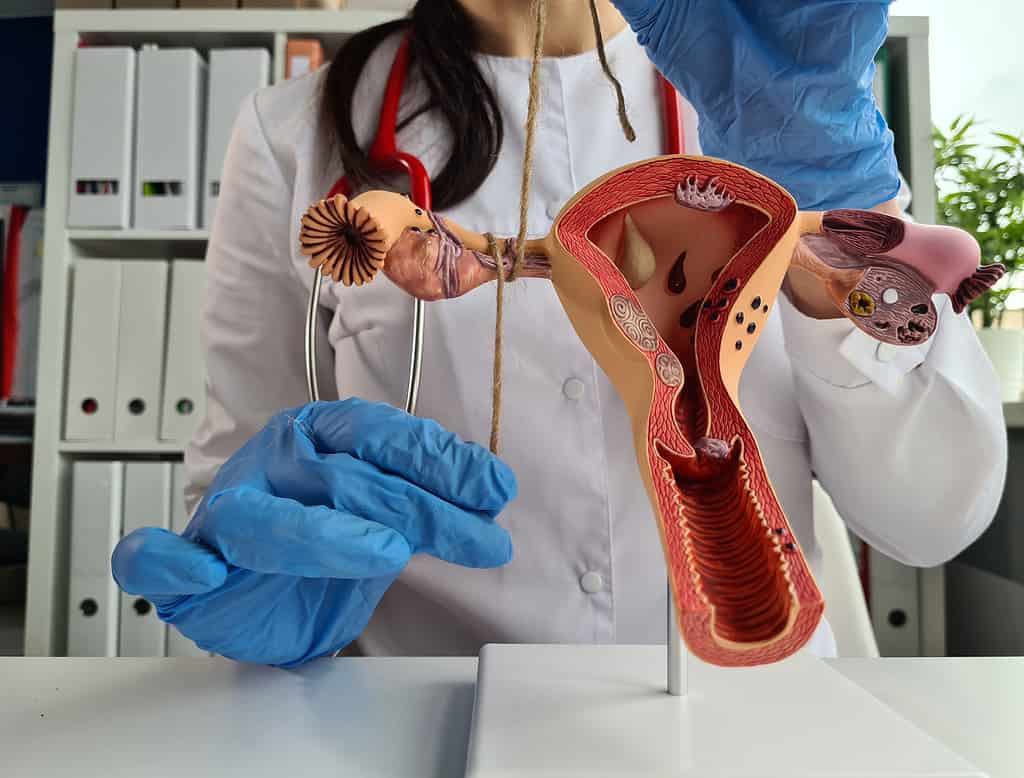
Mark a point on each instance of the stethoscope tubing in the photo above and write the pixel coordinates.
(412, 393)
(312, 379)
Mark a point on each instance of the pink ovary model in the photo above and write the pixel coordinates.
(882, 271)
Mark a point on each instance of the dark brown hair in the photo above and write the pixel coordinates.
(443, 39)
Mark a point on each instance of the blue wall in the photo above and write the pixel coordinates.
(26, 51)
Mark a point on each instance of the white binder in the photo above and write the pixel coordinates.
(30, 274)
(895, 606)
(96, 496)
(184, 374)
(101, 137)
(234, 74)
(179, 516)
(147, 503)
(170, 103)
(178, 644)
(92, 350)
(140, 350)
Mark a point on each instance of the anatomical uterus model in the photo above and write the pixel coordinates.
(668, 269)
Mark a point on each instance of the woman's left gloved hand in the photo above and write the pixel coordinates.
(306, 526)
(783, 87)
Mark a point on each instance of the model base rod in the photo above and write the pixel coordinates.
(677, 681)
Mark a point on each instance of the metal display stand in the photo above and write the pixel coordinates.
(676, 671)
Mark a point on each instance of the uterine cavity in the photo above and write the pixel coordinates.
(737, 560)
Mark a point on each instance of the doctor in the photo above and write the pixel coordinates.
(349, 523)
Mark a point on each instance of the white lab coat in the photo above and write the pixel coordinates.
(910, 443)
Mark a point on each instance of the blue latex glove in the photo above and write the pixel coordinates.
(782, 87)
(307, 525)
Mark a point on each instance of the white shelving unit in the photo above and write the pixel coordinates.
(911, 118)
(109, 449)
(204, 29)
(918, 593)
(86, 237)
(46, 614)
(1014, 413)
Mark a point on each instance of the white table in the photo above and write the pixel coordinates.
(372, 718)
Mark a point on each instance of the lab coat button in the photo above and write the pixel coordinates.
(885, 352)
(573, 388)
(591, 582)
(553, 210)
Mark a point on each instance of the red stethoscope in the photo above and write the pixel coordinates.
(385, 156)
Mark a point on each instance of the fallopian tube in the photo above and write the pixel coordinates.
(668, 269)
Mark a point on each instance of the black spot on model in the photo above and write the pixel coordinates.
(689, 317)
(676, 276)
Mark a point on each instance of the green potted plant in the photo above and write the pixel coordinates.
(981, 189)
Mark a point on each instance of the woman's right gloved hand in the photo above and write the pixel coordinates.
(306, 526)
(783, 87)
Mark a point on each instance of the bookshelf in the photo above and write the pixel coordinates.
(911, 112)
(46, 607)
